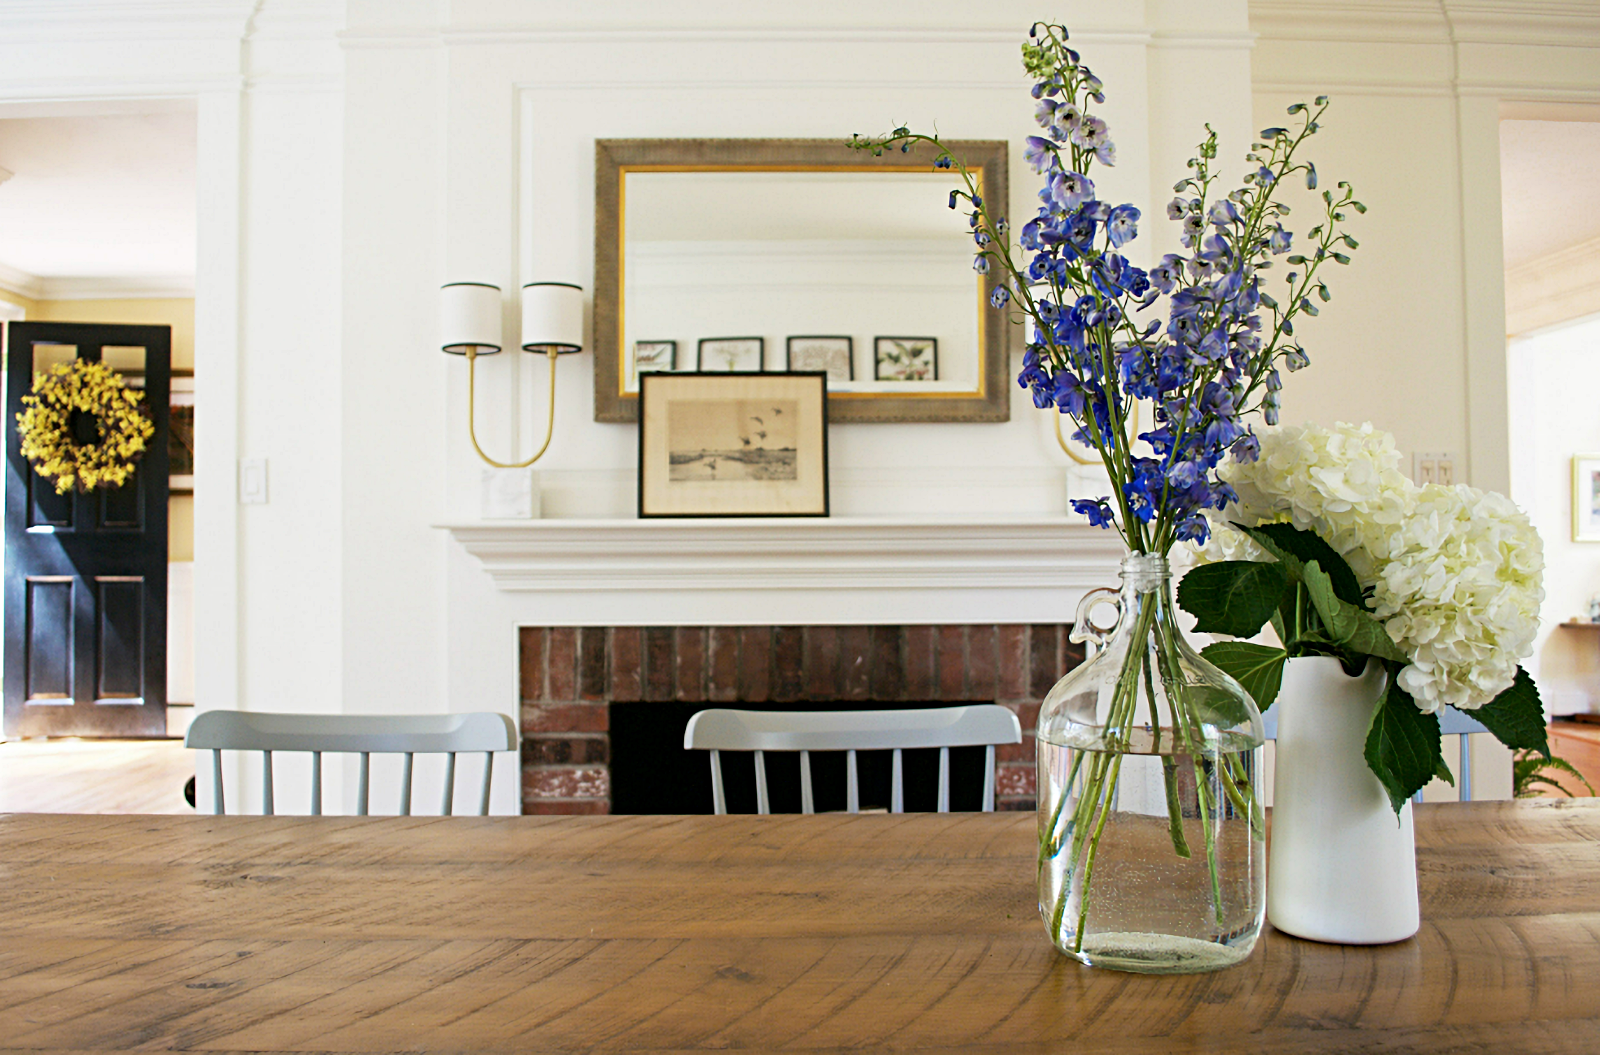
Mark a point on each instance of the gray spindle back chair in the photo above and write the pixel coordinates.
(406, 734)
(1451, 723)
(974, 725)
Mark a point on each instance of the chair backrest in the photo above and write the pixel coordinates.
(363, 734)
(974, 725)
(1451, 723)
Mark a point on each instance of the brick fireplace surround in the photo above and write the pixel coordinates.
(570, 675)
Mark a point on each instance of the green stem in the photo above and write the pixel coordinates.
(1094, 848)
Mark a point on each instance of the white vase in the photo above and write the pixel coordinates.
(1340, 866)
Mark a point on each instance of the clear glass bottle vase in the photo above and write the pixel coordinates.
(1152, 852)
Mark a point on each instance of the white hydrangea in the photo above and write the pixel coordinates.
(1460, 593)
(1455, 572)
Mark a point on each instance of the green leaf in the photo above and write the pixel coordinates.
(1538, 776)
(1234, 597)
(1402, 745)
(1285, 540)
(1356, 629)
(1516, 717)
(1259, 668)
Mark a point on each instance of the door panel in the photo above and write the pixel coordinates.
(86, 574)
(49, 650)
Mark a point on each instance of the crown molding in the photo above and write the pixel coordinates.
(1554, 288)
(35, 287)
(1552, 23)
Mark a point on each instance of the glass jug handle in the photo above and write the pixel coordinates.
(1084, 628)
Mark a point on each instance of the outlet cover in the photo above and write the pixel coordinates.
(1434, 467)
(253, 481)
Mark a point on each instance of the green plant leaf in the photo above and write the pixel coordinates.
(1516, 717)
(1286, 541)
(1402, 745)
(1233, 597)
(1529, 769)
(1354, 628)
(1259, 668)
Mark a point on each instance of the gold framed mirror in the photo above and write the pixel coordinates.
(772, 250)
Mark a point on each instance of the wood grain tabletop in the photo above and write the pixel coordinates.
(906, 933)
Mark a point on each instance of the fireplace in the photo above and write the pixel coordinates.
(573, 680)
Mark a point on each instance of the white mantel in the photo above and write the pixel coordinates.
(842, 555)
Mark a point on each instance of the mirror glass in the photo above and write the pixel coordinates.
(776, 255)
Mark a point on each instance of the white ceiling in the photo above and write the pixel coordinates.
(103, 197)
(1549, 186)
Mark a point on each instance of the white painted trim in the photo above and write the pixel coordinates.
(163, 288)
(836, 554)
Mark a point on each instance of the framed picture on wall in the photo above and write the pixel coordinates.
(654, 355)
(180, 436)
(733, 444)
(1586, 498)
(831, 355)
(905, 359)
(730, 354)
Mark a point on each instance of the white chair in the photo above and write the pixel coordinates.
(448, 734)
(1451, 723)
(719, 730)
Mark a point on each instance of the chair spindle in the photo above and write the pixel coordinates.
(897, 786)
(719, 804)
(364, 786)
(316, 783)
(488, 779)
(806, 803)
(762, 805)
(852, 785)
(216, 782)
(266, 784)
(988, 779)
(944, 780)
(405, 787)
(449, 784)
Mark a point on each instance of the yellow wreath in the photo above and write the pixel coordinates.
(70, 403)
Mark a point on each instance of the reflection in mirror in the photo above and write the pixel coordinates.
(712, 240)
(781, 254)
(47, 355)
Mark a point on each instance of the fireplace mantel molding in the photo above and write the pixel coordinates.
(826, 553)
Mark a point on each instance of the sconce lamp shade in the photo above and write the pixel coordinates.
(469, 318)
(552, 317)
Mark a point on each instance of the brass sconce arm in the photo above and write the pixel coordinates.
(472, 411)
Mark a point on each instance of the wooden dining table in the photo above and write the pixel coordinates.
(905, 933)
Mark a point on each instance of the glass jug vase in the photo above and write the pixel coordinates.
(1152, 852)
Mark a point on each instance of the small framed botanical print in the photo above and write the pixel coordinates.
(1586, 498)
(655, 355)
(905, 359)
(831, 355)
(730, 354)
(733, 444)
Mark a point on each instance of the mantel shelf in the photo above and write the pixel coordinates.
(799, 553)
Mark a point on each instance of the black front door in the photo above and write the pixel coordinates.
(86, 574)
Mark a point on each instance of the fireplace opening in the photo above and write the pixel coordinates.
(651, 773)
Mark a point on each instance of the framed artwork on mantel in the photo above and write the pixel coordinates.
(733, 444)
(180, 436)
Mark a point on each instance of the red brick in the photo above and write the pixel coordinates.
(559, 807)
(1012, 661)
(887, 677)
(563, 663)
(565, 718)
(950, 662)
(1015, 805)
(564, 750)
(530, 662)
(691, 661)
(566, 782)
(1044, 658)
(658, 672)
(627, 666)
(592, 663)
(1023, 752)
(722, 664)
(755, 664)
(855, 648)
(1014, 778)
(820, 663)
(1071, 651)
(982, 673)
(788, 657)
(919, 663)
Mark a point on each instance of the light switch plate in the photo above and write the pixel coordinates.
(1433, 467)
(252, 481)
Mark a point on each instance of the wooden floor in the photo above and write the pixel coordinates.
(1578, 743)
(94, 776)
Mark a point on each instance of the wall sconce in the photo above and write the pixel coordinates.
(552, 322)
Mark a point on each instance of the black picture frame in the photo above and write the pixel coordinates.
(727, 454)
(712, 344)
(672, 356)
(847, 348)
(180, 434)
(879, 354)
